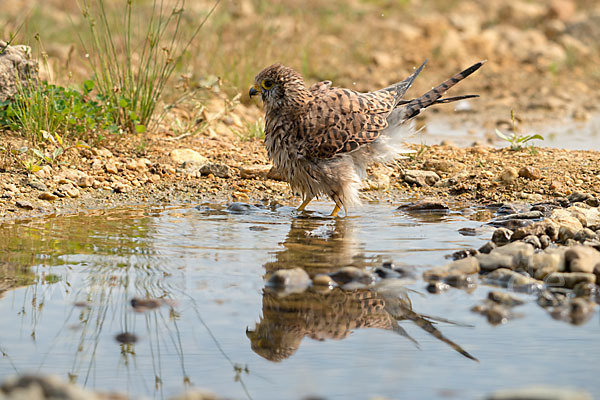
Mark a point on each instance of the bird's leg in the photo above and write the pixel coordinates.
(336, 210)
(305, 203)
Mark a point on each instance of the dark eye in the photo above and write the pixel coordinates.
(267, 84)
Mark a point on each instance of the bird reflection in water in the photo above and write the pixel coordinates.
(323, 313)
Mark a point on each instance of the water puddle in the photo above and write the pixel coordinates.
(571, 135)
(73, 290)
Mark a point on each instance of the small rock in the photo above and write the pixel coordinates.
(544, 263)
(533, 240)
(111, 167)
(255, 171)
(465, 266)
(487, 248)
(437, 287)
(545, 241)
(437, 165)
(530, 173)
(582, 259)
(219, 170)
(352, 274)
(569, 279)
(460, 281)
(577, 311)
(460, 254)
(425, 205)
(585, 289)
(513, 279)
(509, 176)
(24, 204)
(545, 227)
(295, 279)
(179, 156)
(565, 233)
(504, 299)
(579, 197)
(126, 338)
(323, 280)
(585, 234)
(37, 185)
(421, 178)
(85, 181)
(501, 236)
(48, 196)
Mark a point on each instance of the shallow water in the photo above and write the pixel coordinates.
(568, 134)
(222, 330)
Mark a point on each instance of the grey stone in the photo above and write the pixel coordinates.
(425, 205)
(504, 299)
(487, 248)
(569, 279)
(469, 265)
(421, 178)
(352, 274)
(17, 69)
(220, 170)
(533, 240)
(295, 279)
(501, 236)
(582, 259)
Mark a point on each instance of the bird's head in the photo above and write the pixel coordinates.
(280, 87)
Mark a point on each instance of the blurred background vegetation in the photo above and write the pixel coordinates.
(542, 54)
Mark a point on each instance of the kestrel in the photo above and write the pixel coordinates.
(321, 137)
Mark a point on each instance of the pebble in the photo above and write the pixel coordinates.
(48, 196)
(530, 173)
(487, 248)
(437, 287)
(509, 176)
(255, 171)
(501, 236)
(504, 299)
(37, 185)
(295, 279)
(140, 304)
(577, 311)
(533, 240)
(352, 274)
(421, 178)
(219, 170)
(111, 167)
(425, 205)
(323, 280)
(37, 387)
(513, 279)
(545, 227)
(585, 234)
(582, 259)
(126, 338)
(569, 279)
(24, 204)
(179, 156)
(465, 266)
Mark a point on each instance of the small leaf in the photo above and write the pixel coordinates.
(501, 135)
(57, 152)
(60, 141)
(38, 153)
(82, 145)
(140, 128)
(88, 86)
(537, 136)
(33, 167)
(123, 102)
(23, 150)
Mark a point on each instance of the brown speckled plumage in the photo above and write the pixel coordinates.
(322, 137)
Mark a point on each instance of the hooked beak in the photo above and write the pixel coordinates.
(254, 90)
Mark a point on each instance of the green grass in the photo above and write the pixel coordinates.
(132, 58)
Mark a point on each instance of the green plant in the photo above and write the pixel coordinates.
(255, 130)
(517, 142)
(129, 75)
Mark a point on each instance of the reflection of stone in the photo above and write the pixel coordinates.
(322, 247)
